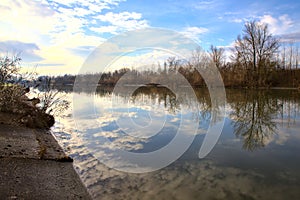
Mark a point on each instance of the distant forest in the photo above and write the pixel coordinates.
(258, 59)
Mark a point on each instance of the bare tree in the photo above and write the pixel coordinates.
(199, 58)
(283, 57)
(9, 67)
(217, 56)
(255, 49)
(297, 57)
(293, 55)
(13, 90)
(51, 100)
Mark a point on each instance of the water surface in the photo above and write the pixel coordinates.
(256, 157)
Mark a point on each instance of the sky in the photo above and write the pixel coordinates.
(55, 37)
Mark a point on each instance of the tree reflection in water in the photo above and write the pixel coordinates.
(159, 94)
(252, 111)
(252, 115)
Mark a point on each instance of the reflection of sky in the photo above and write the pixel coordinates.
(135, 126)
(138, 126)
(143, 114)
(229, 171)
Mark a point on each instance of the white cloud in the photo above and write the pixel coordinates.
(205, 5)
(277, 26)
(124, 21)
(237, 20)
(25, 22)
(105, 29)
(194, 32)
(59, 31)
(92, 5)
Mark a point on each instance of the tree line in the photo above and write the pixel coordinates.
(258, 59)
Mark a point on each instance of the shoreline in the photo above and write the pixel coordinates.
(34, 166)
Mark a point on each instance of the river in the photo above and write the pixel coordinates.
(255, 157)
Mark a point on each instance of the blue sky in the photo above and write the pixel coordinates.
(58, 35)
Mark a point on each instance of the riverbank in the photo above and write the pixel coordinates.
(34, 166)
